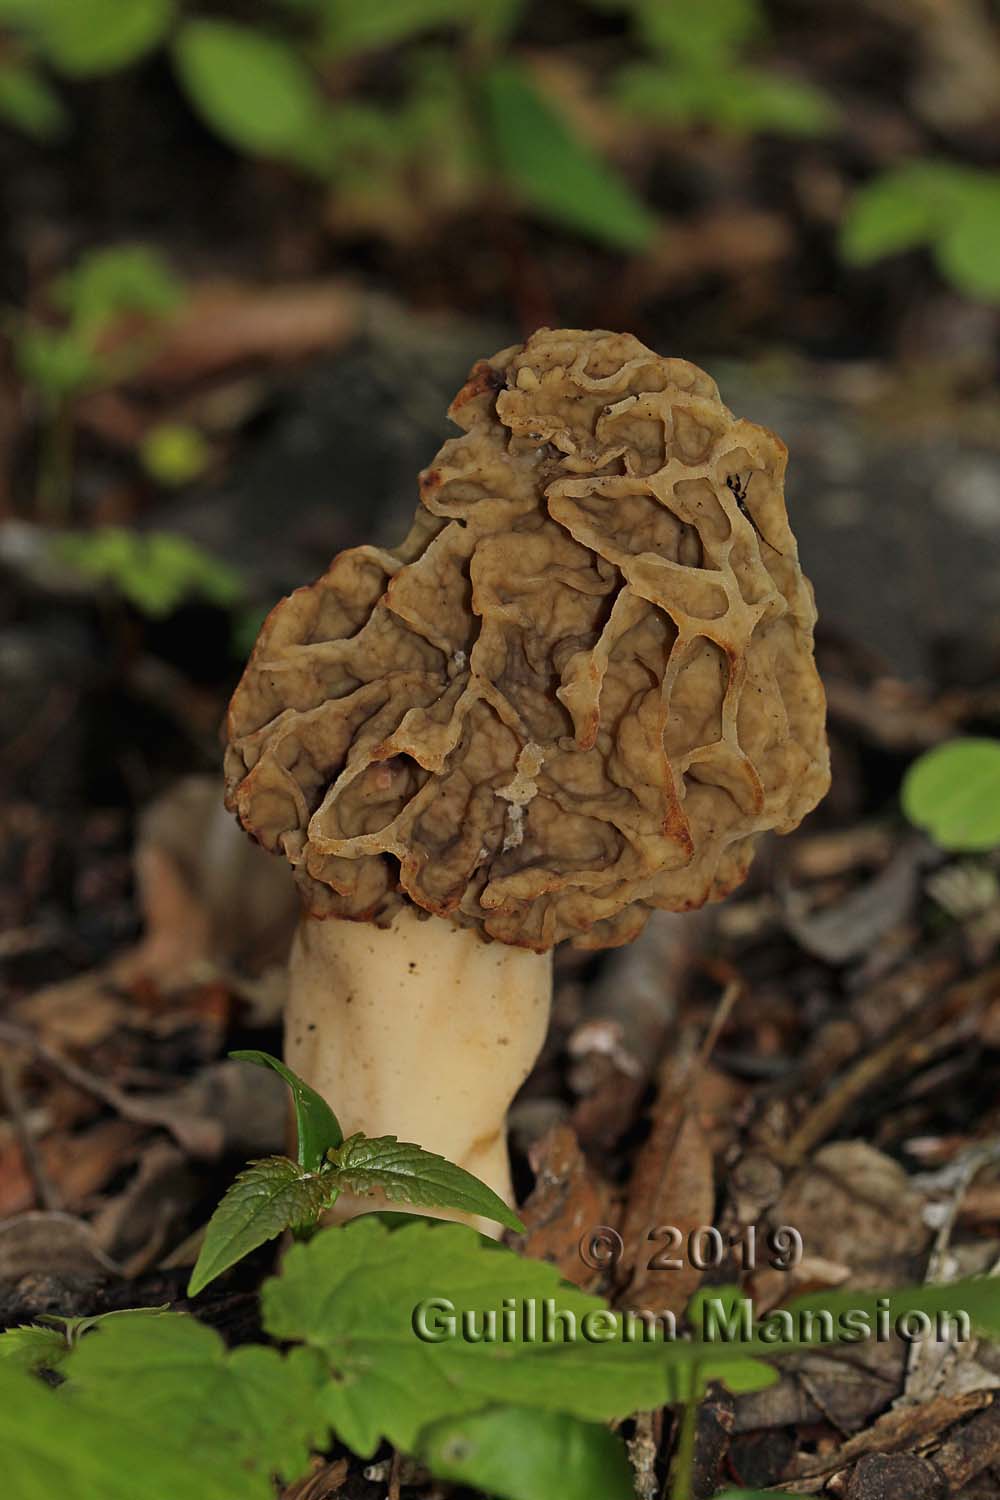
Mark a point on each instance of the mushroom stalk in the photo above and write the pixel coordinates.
(420, 1030)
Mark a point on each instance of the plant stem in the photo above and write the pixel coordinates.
(680, 1469)
(55, 463)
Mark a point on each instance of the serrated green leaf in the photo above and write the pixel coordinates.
(353, 1294)
(953, 792)
(316, 1124)
(31, 1348)
(84, 37)
(268, 1197)
(253, 1404)
(52, 1445)
(254, 90)
(553, 170)
(27, 101)
(151, 1405)
(523, 1454)
(407, 1174)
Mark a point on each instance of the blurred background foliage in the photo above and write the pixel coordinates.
(787, 178)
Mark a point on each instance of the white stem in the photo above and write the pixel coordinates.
(420, 1030)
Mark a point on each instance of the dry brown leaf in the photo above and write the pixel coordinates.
(820, 1387)
(855, 1207)
(912, 1427)
(899, 1476)
(78, 1165)
(672, 1184)
(52, 1244)
(324, 1479)
(232, 323)
(132, 1226)
(568, 1202)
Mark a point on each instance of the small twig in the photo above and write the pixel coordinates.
(956, 1179)
(139, 1111)
(642, 1451)
(862, 1077)
(46, 1194)
(723, 1010)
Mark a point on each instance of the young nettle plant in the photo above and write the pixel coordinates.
(944, 207)
(277, 1194)
(126, 288)
(137, 1405)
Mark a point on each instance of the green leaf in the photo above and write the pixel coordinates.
(553, 170)
(253, 90)
(350, 27)
(155, 571)
(316, 1124)
(704, 35)
(740, 100)
(55, 1446)
(121, 279)
(152, 1405)
(763, 101)
(84, 37)
(953, 792)
(267, 1197)
(28, 102)
(845, 1318)
(495, 21)
(408, 1174)
(756, 1495)
(31, 1348)
(954, 209)
(901, 210)
(254, 1404)
(55, 363)
(966, 249)
(976, 1296)
(523, 1454)
(358, 1294)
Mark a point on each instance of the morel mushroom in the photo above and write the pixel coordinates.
(580, 690)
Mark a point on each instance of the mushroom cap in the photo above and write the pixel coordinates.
(581, 688)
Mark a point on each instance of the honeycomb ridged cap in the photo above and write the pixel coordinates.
(581, 688)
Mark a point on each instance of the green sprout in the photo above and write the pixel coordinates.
(111, 309)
